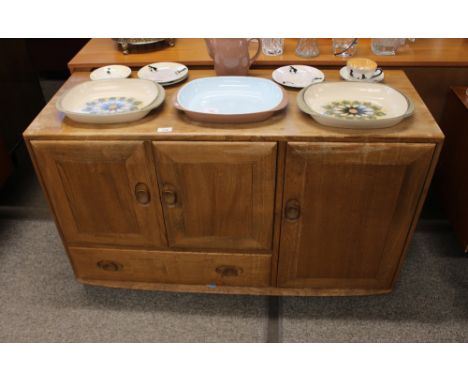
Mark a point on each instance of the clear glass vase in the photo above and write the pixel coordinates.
(344, 47)
(386, 46)
(272, 46)
(307, 47)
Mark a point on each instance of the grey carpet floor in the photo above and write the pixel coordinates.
(429, 304)
(41, 302)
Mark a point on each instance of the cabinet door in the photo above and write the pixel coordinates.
(348, 209)
(217, 195)
(102, 192)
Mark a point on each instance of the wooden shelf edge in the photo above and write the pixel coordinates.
(265, 291)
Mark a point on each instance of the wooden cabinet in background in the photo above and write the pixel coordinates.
(451, 177)
(281, 207)
(6, 165)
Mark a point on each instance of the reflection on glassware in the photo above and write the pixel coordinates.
(386, 46)
(272, 46)
(307, 47)
(344, 47)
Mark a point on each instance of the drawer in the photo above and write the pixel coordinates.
(231, 269)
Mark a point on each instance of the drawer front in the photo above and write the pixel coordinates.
(171, 267)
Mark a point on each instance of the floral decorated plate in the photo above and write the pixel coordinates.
(110, 72)
(298, 76)
(355, 105)
(111, 101)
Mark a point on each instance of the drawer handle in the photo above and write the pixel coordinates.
(169, 196)
(228, 271)
(111, 266)
(142, 193)
(293, 210)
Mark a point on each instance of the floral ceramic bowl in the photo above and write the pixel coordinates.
(111, 101)
(355, 105)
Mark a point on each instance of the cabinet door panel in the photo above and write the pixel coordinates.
(102, 192)
(217, 194)
(356, 204)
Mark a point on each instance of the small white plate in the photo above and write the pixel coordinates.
(298, 76)
(174, 82)
(344, 73)
(110, 72)
(163, 72)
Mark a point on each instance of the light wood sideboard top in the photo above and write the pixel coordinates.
(192, 52)
(291, 124)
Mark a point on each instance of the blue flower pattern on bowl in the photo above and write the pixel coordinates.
(112, 105)
(353, 110)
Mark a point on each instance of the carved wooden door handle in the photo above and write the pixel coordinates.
(292, 211)
(169, 195)
(142, 193)
(228, 271)
(111, 266)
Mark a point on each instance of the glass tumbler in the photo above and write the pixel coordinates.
(307, 47)
(344, 47)
(386, 46)
(272, 46)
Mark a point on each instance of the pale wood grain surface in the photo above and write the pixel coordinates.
(356, 201)
(424, 52)
(172, 267)
(226, 289)
(291, 124)
(223, 193)
(92, 189)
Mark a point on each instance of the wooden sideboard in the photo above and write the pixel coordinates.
(6, 165)
(280, 207)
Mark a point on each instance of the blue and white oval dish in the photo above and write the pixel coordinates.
(230, 99)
